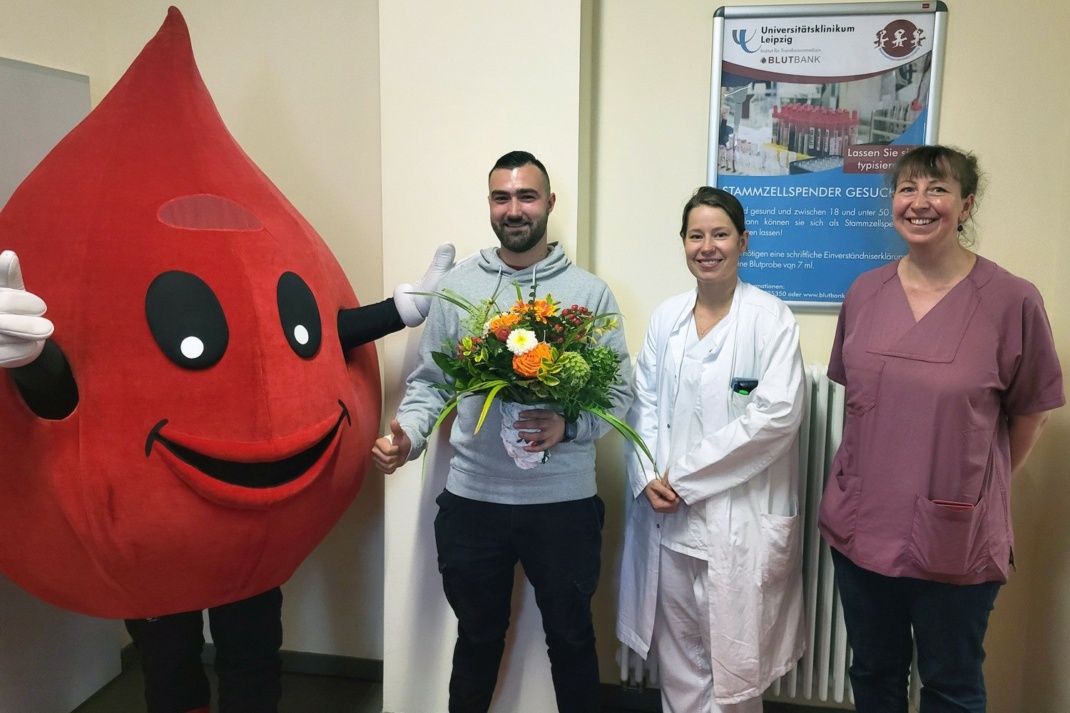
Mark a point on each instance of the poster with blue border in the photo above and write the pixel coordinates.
(810, 105)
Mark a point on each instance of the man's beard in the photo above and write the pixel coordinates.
(520, 242)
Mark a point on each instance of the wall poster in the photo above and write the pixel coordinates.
(810, 105)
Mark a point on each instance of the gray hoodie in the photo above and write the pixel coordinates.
(480, 468)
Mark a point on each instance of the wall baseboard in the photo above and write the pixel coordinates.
(296, 662)
(614, 696)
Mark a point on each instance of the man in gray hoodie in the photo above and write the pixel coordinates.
(493, 513)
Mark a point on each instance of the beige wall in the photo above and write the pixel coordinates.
(463, 83)
(299, 86)
(1002, 82)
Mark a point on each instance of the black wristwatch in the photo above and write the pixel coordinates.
(571, 430)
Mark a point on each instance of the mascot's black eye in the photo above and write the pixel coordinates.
(299, 315)
(186, 320)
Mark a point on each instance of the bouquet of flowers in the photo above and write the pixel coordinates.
(537, 354)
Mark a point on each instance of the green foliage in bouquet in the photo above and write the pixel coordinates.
(533, 353)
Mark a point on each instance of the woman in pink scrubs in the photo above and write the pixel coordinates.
(951, 370)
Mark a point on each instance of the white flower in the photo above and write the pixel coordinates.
(521, 341)
(486, 329)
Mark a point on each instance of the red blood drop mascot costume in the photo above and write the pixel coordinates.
(204, 410)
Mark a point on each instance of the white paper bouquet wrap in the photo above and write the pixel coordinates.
(514, 440)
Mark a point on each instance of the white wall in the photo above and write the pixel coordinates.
(51, 660)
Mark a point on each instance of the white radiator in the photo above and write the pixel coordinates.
(821, 674)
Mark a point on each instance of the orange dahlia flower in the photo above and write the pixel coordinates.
(503, 321)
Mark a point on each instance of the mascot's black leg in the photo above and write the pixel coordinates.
(248, 636)
(170, 651)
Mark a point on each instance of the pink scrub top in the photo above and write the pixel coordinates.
(920, 486)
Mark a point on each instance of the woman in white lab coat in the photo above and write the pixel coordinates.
(711, 580)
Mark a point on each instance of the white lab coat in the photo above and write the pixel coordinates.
(745, 475)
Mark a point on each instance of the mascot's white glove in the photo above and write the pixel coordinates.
(414, 308)
(23, 330)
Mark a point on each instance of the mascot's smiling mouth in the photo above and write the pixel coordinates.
(255, 472)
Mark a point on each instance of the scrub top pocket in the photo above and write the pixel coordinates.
(949, 541)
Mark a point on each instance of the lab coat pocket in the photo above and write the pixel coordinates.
(737, 404)
(949, 539)
(781, 552)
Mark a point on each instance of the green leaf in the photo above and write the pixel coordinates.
(453, 298)
(486, 404)
(449, 365)
(450, 405)
(629, 434)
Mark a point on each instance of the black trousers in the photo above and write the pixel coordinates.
(887, 617)
(247, 636)
(559, 546)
